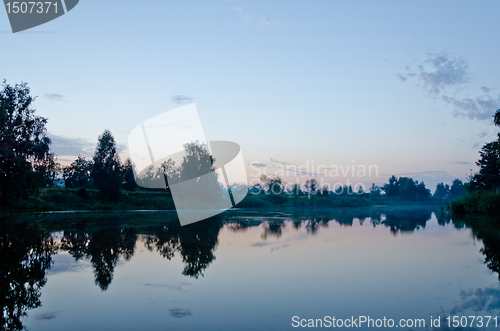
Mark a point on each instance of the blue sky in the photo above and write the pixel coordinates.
(407, 86)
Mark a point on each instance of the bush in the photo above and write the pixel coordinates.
(477, 202)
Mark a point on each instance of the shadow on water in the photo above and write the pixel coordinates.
(28, 242)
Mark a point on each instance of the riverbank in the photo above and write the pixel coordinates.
(55, 199)
(478, 202)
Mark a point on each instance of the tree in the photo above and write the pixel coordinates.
(407, 188)
(275, 187)
(422, 191)
(106, 171)
(128, 176)
(391, 189)
(488, 177)
(457, 189)
(295, 190)
(374, 191)
(78, 173)
(442, 191)
(26, 164)
(311, 186)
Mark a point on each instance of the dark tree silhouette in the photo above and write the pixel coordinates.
(128, 177)
(106, 171)
(78, 173)
(488, 177)
(26, 164)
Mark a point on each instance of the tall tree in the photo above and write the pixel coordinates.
(26, 164)
(106, 171)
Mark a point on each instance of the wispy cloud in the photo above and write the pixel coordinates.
(54, 96)
(439, 72)
(181, 99)
(245, 18)
(460, 162)
(259, 164)
(485, 89)
(71, 146)
(479, 108)
(280, 162)
(442, 76)
(267, 21)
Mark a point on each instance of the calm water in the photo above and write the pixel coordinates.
(245, 270)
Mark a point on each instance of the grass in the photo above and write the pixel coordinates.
(478, 202)
(57, 199)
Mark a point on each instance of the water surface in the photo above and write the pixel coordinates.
(245, 270)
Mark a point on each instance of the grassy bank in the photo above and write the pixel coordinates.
(478, 202)
(55, 199)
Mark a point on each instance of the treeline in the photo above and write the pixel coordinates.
(483, 186)
(396, 188)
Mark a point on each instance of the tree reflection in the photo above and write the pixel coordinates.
(165, 240)
(197, 244)
(102, 248)
(25, 256)
(406, 221)
(487, 229)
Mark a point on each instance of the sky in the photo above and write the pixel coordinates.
(409, 87)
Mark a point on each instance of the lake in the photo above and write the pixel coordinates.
(250, 270)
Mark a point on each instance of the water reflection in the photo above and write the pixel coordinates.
(102, 248)
(25, 256)
(26, 248)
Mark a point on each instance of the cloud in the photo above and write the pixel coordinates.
(480, 300)
(71, 146)
(259, 164)
(181, 99)
(54, 96)
(267, 21)
(47, 316)
(479, 108)
(363, 10)
(460, 162)
(286, 168)
(439, 72)
(442, 75)
(483, 134)
(485, 89)
(245, 18)
(180, 312)
(280, 162)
